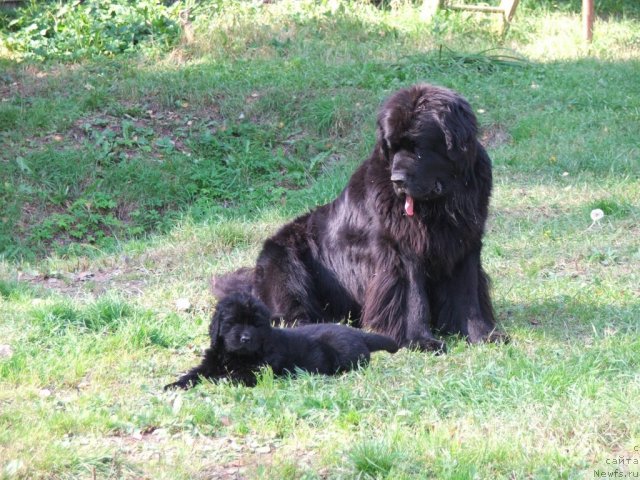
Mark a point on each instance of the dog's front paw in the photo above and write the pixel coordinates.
(487, 336)
(427, 344)
(497, 336)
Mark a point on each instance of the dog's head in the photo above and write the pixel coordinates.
(427, 134)
(241, 324)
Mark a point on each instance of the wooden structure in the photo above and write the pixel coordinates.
(506, 9)
(587, 19)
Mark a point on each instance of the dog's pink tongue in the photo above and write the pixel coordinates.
(408, 205)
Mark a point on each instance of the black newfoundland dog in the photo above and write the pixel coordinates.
(243, 341)
(398, 252)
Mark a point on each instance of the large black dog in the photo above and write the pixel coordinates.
(243, 341)
(399, 250)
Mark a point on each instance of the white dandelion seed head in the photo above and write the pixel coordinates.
(596, 214)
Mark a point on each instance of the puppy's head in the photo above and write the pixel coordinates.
(427, 134)
(241, 324)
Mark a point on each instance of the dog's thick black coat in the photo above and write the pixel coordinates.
(399, 250)
(243, 341)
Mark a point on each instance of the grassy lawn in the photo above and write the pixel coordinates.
(132, 171)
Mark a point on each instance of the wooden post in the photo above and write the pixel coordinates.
(587, 19)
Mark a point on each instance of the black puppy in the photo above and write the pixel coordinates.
(243, 341)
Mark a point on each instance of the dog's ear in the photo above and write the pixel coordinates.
(214, 328)
(381, 142)
(394, 118)
(458, 124)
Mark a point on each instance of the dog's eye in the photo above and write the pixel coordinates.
(406, 144)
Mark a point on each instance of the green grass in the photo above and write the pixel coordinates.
(128, 177)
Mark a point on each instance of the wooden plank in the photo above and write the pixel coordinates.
(509, 7)
(477, 8)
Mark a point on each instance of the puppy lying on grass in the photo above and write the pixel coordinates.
(243, 341)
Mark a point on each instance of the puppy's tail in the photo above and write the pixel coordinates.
(240, 281)
(376, 342)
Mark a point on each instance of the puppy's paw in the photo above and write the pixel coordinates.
(176, 386)
(184, 383)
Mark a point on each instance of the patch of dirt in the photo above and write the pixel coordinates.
(228, 458)
(255, 457)
(147, 131)
(531, 212)
(495, 135)
(30, 80)
(146, 128)
(14, 83)
(130, 281)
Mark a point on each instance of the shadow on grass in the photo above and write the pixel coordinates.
(567, 319)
